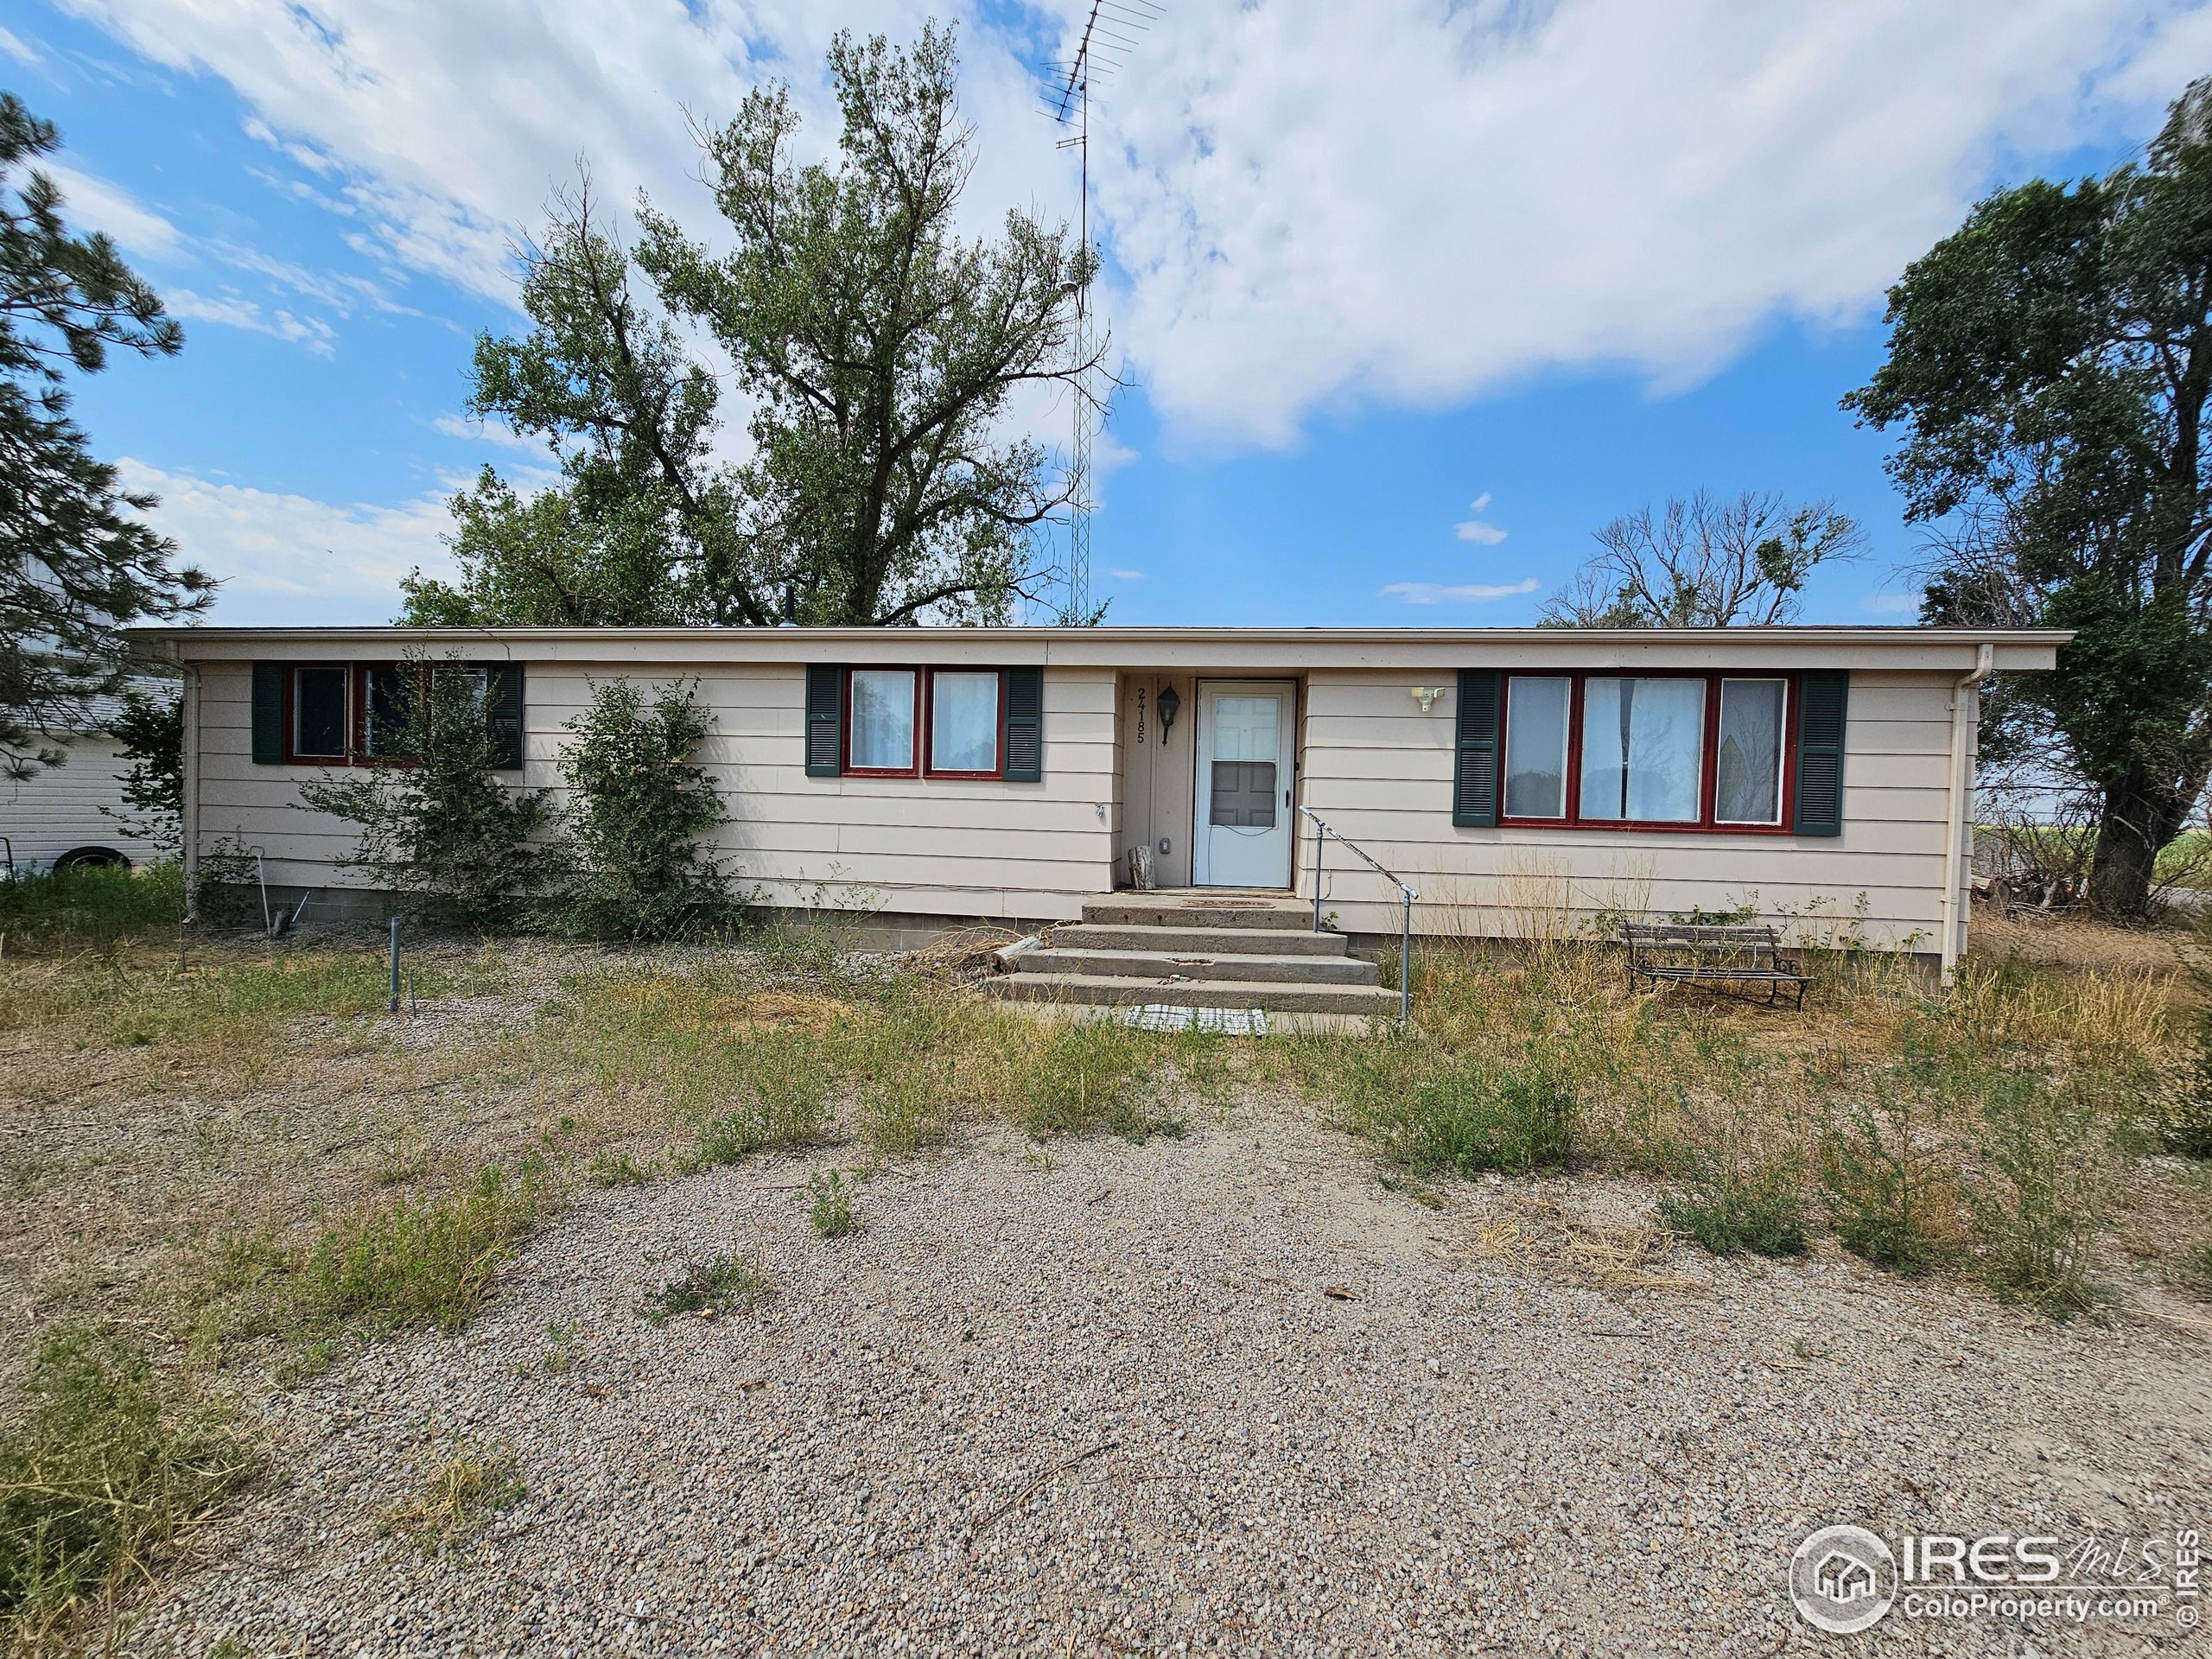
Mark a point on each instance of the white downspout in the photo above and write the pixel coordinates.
(1961, 789)
(188, 779)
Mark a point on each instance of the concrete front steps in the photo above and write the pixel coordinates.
(1198, 950)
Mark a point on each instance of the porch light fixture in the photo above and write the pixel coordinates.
(1167, 708)
(1427, 696)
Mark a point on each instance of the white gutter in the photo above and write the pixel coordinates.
(1965, 694)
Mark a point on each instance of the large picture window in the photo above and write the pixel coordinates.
(1643, 749)
(1654, 751)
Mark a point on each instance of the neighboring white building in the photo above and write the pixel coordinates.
(1815, 775)
(54, 817)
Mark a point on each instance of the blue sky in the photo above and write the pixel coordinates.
(1370, 265)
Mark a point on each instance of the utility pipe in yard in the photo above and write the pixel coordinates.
(1966, 693)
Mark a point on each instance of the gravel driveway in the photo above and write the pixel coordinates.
(1102, 1402)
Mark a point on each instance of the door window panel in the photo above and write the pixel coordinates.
(1247, 728)
(883, 720)
(1535, 747)
(1643, 749)
(1747, 765)
(1243, 794)
(964, 721)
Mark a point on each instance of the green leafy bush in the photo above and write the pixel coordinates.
(638, 803)
(829, 1203)
(1435, 1110)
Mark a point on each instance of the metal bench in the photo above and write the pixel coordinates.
(1724, 959)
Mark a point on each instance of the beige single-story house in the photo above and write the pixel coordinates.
(1820, 777)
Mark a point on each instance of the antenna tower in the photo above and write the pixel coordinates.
(1104, 47)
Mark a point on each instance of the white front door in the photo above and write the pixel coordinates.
(1242, 838)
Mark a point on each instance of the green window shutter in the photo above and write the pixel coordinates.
(269, 713)
(1823, 706)
(825, 714)
(502, 707)
(1025, 725)
(1474, 777)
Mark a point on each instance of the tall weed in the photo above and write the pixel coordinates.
(1890, 1199)
(109, 1466)
(422, 1261)
(2038, 1197)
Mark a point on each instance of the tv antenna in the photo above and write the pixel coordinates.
(1104, 48)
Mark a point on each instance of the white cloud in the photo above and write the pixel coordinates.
(1437, 593)
(20, 49)
(1126, 575)
(1408, 203)
(498, 432)
(1891, 604)
(1475, 529)
(234, 310)
(99, 206)
(1310, 205)
(290, 558)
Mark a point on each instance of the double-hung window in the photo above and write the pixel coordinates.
(941, 723)
(1656, 751)
(367, 713)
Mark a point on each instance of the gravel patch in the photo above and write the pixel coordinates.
(1219, 1394)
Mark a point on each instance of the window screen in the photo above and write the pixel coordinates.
(1535, 747)
(319, 711)
(1643, 749)
(964, 721)
(1747, 766)
(883, 720)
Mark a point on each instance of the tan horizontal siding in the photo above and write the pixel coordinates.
(953, 846)
(1380, 771)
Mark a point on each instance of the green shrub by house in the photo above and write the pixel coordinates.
(638, 803)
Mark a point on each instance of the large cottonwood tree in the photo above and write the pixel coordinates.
(876, 349)
(2050, 368)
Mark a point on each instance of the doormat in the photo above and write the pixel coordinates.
(1231, 1022)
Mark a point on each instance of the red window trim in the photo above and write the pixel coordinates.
(357, 714)
(1708, 759)
(922, 675)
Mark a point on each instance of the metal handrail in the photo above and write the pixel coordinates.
(1322, 828)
